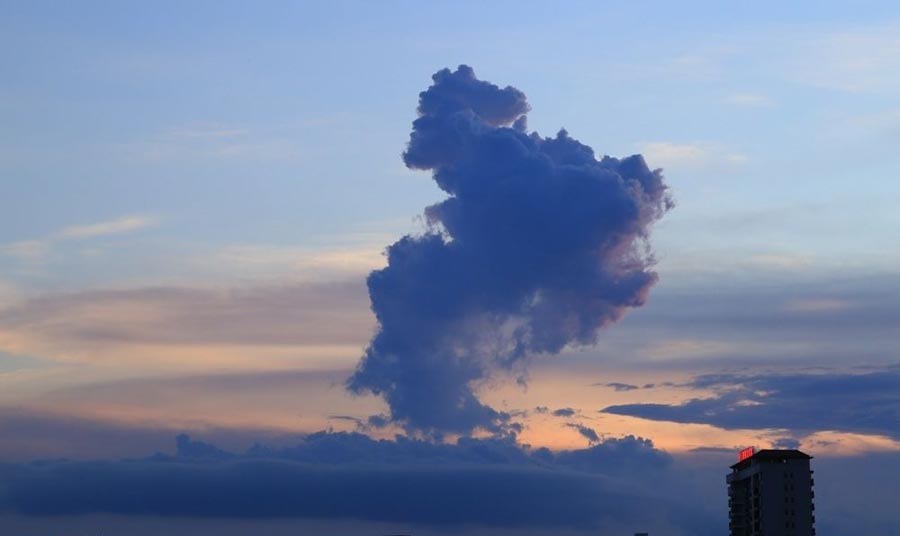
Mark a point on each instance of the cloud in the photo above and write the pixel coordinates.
(26, 250)
(37, 250)
(867, 403)
(617, 485)
(104, 228)
(291, 263)
(564, 412)
(782, 261)
(620, 387)
(786, 443)
(487, 482)
(680, 348)
(821, 305)
(131, 417)
(585, 431)
(852, 58)
(791, 320)
(859, 59)
(361, 425)
(206, 131)
(155, 322)
(538, 247)
(212, 142)
(670, 155)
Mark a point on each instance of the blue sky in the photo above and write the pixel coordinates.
(278, 124)
(192, 194)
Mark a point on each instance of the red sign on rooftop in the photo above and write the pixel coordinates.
(746, 453)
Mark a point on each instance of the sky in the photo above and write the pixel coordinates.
(372, 268)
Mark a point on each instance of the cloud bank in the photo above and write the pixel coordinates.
(538, 246)
(803, 403)
(489, 482)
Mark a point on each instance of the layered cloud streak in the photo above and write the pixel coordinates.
(803, 403)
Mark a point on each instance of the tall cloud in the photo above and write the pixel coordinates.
(538, 246)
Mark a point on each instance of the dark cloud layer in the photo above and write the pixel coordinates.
(492, 482)
(862, 403)
(538, 246)
(617, 486)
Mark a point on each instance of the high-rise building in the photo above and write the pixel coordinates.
(770, 494)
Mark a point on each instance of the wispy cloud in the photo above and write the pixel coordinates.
(36, 250)
(8, 292)
(783, 261)
(619, 386)
(668, 155)
(175, 326)
(25, 250)
(205, 131)
(205, 142)
(860, 59)
(293, 262)
(686, 347)
(817, 305)
(110, 227)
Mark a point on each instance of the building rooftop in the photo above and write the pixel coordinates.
(772, 454)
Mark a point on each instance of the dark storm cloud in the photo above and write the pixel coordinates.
(538, 246)
(863, 403)
(492, 482)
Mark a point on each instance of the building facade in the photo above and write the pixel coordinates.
(770, 494)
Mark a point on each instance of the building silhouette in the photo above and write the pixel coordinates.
(770, 494)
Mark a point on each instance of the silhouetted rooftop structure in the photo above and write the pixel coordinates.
(770, 494)
(772, 454)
